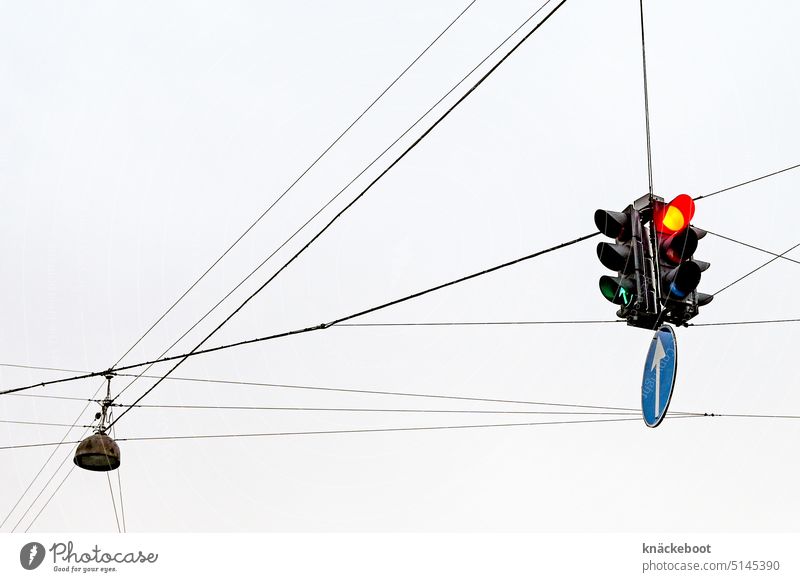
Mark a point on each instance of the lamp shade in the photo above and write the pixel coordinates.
(98, 452)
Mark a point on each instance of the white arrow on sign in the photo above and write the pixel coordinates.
(658, 355)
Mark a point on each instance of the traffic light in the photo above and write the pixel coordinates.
(633, 288)
(680, 273)
(617, 256)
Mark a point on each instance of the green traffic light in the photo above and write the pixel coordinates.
(619, 290)
(608, 289)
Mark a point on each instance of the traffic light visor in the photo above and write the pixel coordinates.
(679, 246)
(615, 257)
(614, 224)
(682, 280)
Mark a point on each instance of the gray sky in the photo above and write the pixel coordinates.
(138, 141)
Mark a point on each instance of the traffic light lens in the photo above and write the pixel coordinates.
(673, 219)
(615, 257)
(619, 290)
(683, 280)
(608, 288)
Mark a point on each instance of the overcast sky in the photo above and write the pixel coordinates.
(138, 141)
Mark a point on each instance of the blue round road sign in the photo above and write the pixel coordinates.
(659, 376)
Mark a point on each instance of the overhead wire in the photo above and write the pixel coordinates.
(119, 482)
(745, 276)
(299, 177)
(113, 502)
(778, 416)
(651, 195)
(407, 429)
(28, 367)
(111, 490)
(400, 394)
(382, 393)
(360, 391)
(752, 322)
(365, 430)
(49, 499)
(391, 393)
(318, 327)
(752, 246)
(747, 182)
(30, 422)
(30, 485)
(52, 397)
(56, 446)
(42, 468)
(410, 394)
(393, 429)
(646, 104)
(476, 323)
(328, 409)
(346, 186)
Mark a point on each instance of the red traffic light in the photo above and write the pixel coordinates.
(675, 216)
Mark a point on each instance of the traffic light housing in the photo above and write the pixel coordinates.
(679, 271)
(616, 256)
(632, 288)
